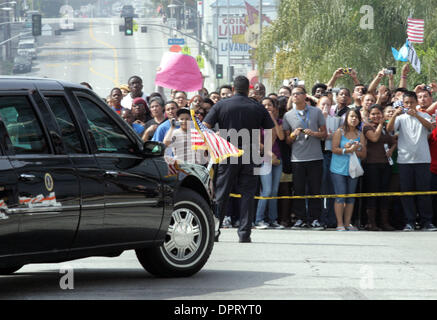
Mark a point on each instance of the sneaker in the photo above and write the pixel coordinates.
(316, 225)
(227, 223)
(299, 225)
(261, 225)
(408, 227)
(429, 227)
(276, 225)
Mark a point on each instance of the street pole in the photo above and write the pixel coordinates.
(229, 42)
(3, 49)
(217, 60)
(198, 30)
(260, 19)
(8, 36)
(260, 78)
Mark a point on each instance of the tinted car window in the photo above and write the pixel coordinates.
(22, 124)
(108, 135)
(69, 131)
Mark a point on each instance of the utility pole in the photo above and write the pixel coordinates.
(259, 36)
(199, 35)
(8, 36)
(229, 43)
(217, 60)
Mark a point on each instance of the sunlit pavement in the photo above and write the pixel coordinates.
(277, 265)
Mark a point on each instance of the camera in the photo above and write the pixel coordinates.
(398, 104)
(335, 90)
(175, 123)
(428, 88)
(390, 71)
(346, 70)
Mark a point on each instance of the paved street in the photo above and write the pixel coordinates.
(96, 52)
(278, 265)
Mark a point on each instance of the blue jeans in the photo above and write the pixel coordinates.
(269, 188)
(344, 185)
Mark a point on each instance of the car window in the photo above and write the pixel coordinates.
(25, 46)
(109, 137)
(69, 130)
(22, 124)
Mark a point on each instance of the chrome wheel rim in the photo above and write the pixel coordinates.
(183, 235)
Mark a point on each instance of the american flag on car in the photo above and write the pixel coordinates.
(219, 148)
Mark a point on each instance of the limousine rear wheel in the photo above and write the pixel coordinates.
(9, 270)
(188, 242)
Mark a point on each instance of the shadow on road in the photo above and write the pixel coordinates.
(134, 284)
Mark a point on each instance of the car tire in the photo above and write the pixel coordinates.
(9, 270)
(188, 242)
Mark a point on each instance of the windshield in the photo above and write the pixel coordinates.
(26, 46)
(21, 60)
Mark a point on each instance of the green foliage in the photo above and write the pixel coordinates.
(311, 39)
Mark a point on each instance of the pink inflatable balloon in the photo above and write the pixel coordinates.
(179, 71)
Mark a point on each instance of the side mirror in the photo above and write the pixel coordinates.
(154, 148)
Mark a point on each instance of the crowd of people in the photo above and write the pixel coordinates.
(321, 139)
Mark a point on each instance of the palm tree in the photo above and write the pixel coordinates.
(310, 39)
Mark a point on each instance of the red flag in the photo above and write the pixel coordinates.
(251, 11)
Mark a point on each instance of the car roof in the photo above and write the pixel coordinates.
(26, 40)
(30, 83)
(22, 56)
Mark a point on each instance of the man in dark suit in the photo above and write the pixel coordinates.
(238, 112)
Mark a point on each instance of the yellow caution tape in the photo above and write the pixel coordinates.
(352, 195)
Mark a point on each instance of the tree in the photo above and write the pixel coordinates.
(310, 39)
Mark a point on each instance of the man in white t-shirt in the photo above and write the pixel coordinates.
(135, 85)
(414, 160)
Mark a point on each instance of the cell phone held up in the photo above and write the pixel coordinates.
(390, 71)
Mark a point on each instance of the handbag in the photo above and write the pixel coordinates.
(355, 168)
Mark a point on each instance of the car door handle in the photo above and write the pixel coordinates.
(27, 177)
(111, 174)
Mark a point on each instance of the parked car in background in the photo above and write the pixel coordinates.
(66, 24)
(27, 47)
(128, 11)
(22, 63)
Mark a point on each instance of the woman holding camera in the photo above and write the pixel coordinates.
(346, 141)
(380, 147)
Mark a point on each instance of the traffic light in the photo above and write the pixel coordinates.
(128, 26)
(36, 25)
(219, 71)
(231, 73)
